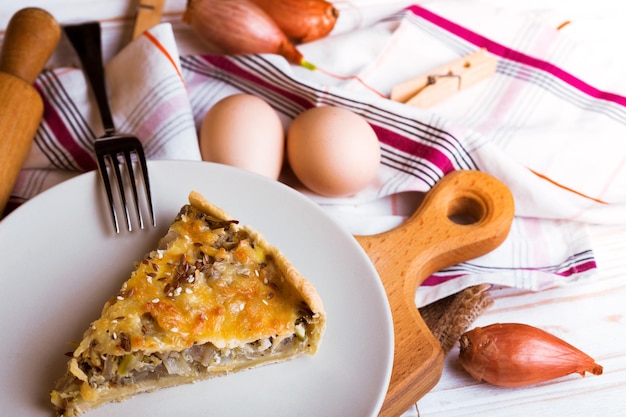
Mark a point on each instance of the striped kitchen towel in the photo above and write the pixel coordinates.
(550, 124)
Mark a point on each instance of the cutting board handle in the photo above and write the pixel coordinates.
(432, 239)
(30, 39)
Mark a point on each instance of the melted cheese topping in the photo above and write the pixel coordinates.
(209, 285)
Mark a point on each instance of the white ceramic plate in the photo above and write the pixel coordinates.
(60, 261)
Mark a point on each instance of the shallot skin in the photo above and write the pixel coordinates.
(302, 20)
(235, 27)
(516, 355)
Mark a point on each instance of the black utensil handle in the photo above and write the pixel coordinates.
(86, 40)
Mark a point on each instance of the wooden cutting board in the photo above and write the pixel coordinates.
(433, 238)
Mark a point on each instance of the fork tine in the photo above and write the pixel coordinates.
(120, 188)
(133, 183)
(104, 175)
(146, 178)
(118, 150)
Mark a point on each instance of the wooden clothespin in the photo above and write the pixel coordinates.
(148, 15)
(431, 88)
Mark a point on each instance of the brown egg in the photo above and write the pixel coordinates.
(333, 151)
(243, 130)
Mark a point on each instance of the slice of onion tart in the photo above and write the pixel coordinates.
(214, 298)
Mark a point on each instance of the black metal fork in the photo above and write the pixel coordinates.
(112, 149)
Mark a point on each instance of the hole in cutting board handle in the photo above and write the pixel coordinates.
(465, 210)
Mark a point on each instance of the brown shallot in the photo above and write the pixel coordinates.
(235, 27)
(301, 20)
(515, 355)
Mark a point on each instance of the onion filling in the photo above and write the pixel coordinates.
(197, 359)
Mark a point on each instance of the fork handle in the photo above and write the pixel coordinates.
(86, 40)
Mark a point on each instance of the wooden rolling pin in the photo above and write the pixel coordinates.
(31, 37)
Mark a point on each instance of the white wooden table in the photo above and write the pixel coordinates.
(590, 315)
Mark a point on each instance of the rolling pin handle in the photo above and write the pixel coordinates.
(30, 39)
